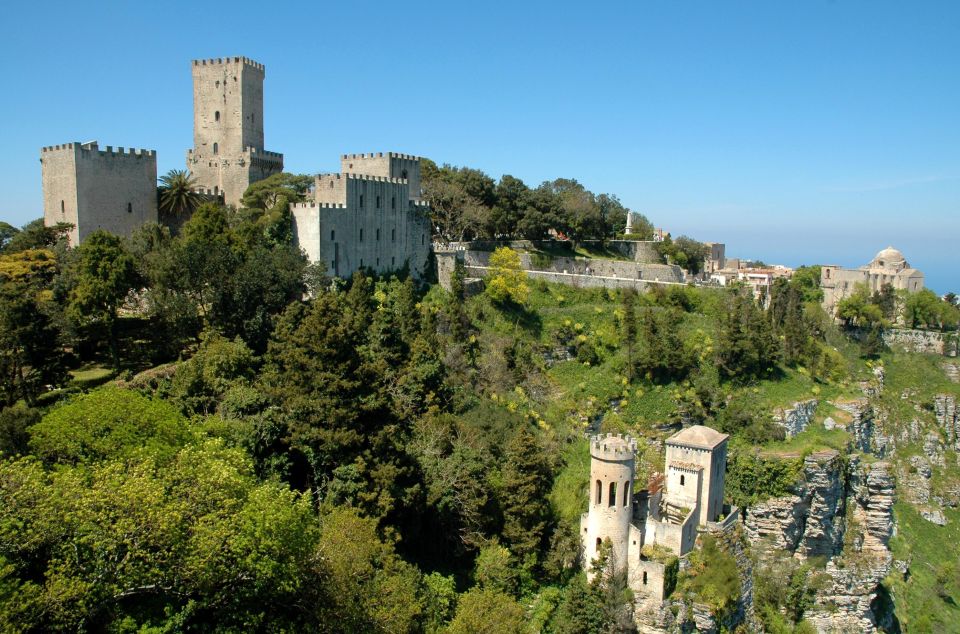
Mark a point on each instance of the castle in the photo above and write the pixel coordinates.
(649, 528)
(369, 216)
(887, 267)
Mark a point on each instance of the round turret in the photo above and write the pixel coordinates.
(611, 497)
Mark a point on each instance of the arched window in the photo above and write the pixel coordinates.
(681, 479)
(216, 148)
(626, 493)
(599, 492)
(216, 115)
(612, 499)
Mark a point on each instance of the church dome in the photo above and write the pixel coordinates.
(889, 258)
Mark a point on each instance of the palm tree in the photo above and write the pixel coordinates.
(178, 197)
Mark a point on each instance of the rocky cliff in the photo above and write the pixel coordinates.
(842, 512)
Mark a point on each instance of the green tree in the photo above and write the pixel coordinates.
(582, 610)
(104, 275)
(494, 569)
(807, 280)
(487, 612)
(277, 189)
(506, 281)
(526, 481)
(178, 194)
(105, 424)
(36, 235)
(628, 329)
(31, 352)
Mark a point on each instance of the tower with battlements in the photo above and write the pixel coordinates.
(370, 218)
(113, 189)
(228, 154)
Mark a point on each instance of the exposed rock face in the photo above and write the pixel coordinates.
(945, 409)
(862, 428)
(811, 521)
(845, 514)
(845, 605)
(953, 371)
(797, 418)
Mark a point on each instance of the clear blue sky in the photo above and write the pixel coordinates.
(795, 132)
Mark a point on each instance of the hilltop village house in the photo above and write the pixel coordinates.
(649, 528)
(888, 267)
(371, 215)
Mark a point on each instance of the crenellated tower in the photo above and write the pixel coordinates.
(228, 154)
(611, 499)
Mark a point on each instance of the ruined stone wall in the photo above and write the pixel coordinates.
(111, 189)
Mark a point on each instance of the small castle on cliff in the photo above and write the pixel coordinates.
(371, 215)
(644, 531)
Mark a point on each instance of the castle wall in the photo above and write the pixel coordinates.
(388, 165)
(346, 235)
(587, 266)
(113, 189)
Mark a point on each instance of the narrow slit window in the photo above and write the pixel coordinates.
(393, 235)
(361, 235)
(612, 499)
(681, 480)
(216, 148)
(378, 202)
(61, 207)
(361, 200)
(626, 493)
(216, 116)
(333, 234)
(393, 202)
(599, 492)
(129, 208)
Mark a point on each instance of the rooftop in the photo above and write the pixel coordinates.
(697, 436)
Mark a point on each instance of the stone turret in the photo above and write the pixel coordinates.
(611, 498)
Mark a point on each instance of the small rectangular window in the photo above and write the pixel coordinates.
(378, 235)
(378, 202)
(361, 200)
(129, 208)
(393, 235)
(333, 235)
(361, 235)
(393, 202)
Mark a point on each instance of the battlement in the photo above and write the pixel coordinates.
(613, 447)
(315, 205)
(409, 157)
(119, 151)
(382, 179)
(264, 153)
(229, 60)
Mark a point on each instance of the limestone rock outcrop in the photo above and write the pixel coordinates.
(945, 409)
(797, 418)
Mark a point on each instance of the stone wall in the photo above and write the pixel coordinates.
(925, 341)
(586, 266)
(577, 281)
(637, 250)
(390, 165)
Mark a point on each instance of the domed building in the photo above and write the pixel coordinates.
(887, 267)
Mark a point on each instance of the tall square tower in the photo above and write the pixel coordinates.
(111, 189)
(228, 154)
(696, 466)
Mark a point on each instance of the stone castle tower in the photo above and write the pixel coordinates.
(93, 188)
(228, 154)
(611, 498)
